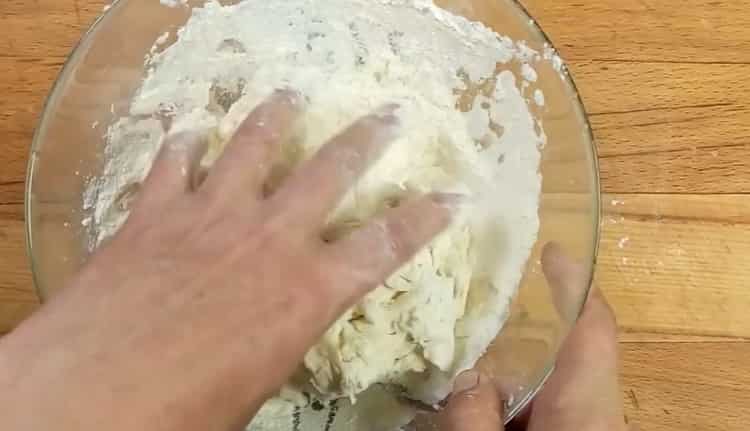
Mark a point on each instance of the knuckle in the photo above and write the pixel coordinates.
(605, 316)
(382, 239)
(260, 133)
(604, 336)
(357, 273)
(397, 237)
(334, 288)
(597, 329)
(182, 144)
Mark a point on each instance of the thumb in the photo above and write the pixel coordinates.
(583, 393)
(475, 405)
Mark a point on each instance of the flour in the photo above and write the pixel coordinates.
(436, 316)
(539, 97)
(528, 73)
(173, 3)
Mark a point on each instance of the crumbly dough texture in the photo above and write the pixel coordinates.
(438, 313)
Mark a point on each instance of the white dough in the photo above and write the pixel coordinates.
(437, 314)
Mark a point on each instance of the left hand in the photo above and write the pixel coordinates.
(204, 304)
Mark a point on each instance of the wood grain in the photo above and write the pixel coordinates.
(687, 386)
(672, 264)
(681, 32)
(17, 296)
(665, 84)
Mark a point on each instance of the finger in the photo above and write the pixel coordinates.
(248, 158)
(568, 281)
(583, 393)
(475, 405)
(375, 251)
(315, 188)
(171, 172)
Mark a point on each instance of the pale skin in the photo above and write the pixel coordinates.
(204, 304)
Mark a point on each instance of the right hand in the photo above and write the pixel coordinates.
(582, 394)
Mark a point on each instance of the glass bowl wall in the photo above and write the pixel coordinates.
(106, 68)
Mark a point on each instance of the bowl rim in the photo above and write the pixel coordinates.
(565, 74)
(521, 405)
(39, 131)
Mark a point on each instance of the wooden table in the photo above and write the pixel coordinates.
(666, 83)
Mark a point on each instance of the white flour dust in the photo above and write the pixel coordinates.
(466, 128)
(173, 3)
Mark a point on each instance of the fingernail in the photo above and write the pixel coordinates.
(290, 96)
(199, 177)
(182, 140)
(507, 387)
(387, 114)
(466, 382)
(385, 124)
(452, 201)
(388, 108)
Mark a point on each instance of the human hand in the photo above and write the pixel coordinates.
(583, 392)
(204, 304)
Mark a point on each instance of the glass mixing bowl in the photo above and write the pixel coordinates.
(105, 69)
